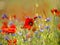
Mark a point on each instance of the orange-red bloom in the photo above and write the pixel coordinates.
(11, 42)
(12, 26)
(6, 29)
(15, 41)
(28, 23)
(56, 12)
(12, 29)
(58, 26)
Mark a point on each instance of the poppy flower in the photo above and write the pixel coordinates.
(6, 29)
(28, 23)
(9, 42)
(35, 17)
(5, 25)
(58, 26)
(12, 29)
(55, 11)
(14, 41)
(13, 26)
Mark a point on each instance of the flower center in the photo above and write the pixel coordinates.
(31, 23)
(55, 10)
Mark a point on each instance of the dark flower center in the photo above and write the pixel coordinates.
(55, 10)
(31, 23)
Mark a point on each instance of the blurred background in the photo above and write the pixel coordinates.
(30, 8)
(47, 28)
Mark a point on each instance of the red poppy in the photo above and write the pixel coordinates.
(13, 26)
(9, 42)
(12, 29)
(15, 41)
(28, 23)
(58, 26)
(5, 25)
(55, 11)
(6, 29)
(35, 17)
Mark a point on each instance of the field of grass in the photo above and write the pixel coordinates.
(46, 33)
(45, 26)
